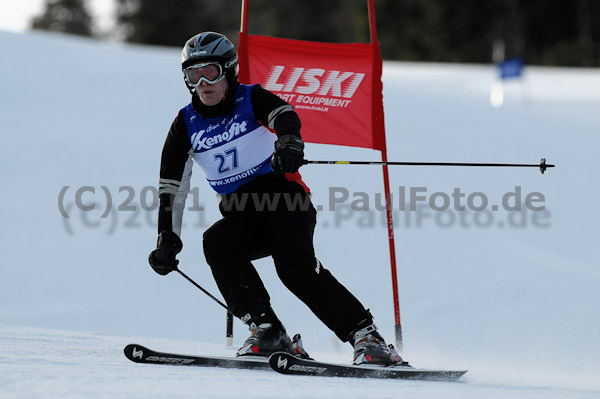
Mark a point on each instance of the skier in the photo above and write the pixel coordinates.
(227, 129)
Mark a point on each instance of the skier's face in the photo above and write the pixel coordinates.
(212, 94)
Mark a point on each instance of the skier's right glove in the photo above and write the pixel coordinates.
(162, 259)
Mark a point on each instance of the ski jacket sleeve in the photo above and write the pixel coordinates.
(175, 176)
(274, 113)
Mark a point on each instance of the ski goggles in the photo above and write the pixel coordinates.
(210, 72)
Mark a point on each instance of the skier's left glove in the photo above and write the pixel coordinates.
(162, 259)
(288, 154)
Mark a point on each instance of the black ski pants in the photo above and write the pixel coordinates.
(287, 236)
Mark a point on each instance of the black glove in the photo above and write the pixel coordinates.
(288, 155)
(162, 259)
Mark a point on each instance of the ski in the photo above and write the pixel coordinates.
(288, 364)
(141, 354)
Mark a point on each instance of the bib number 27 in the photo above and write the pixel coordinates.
(227, 160)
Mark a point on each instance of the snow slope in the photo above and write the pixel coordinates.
(52, 364)
(511, 296)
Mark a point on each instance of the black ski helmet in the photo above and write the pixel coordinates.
(210, 47)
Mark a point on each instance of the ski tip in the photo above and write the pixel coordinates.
(135, 352)
(448, 375)
(454, 375)
(460, 373)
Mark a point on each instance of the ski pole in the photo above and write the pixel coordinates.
(542, 165)
(229, 329)
(202, 289)
(229, 322)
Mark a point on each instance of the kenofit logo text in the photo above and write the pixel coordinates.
(199, 142)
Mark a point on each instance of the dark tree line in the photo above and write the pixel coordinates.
(65, 16)
(558, 32)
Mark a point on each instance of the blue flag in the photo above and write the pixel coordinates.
(511, 68)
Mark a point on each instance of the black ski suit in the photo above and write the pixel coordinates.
(260, 217)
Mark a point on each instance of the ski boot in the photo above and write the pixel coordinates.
(370, 348)
(268, 336)
(299, 350)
